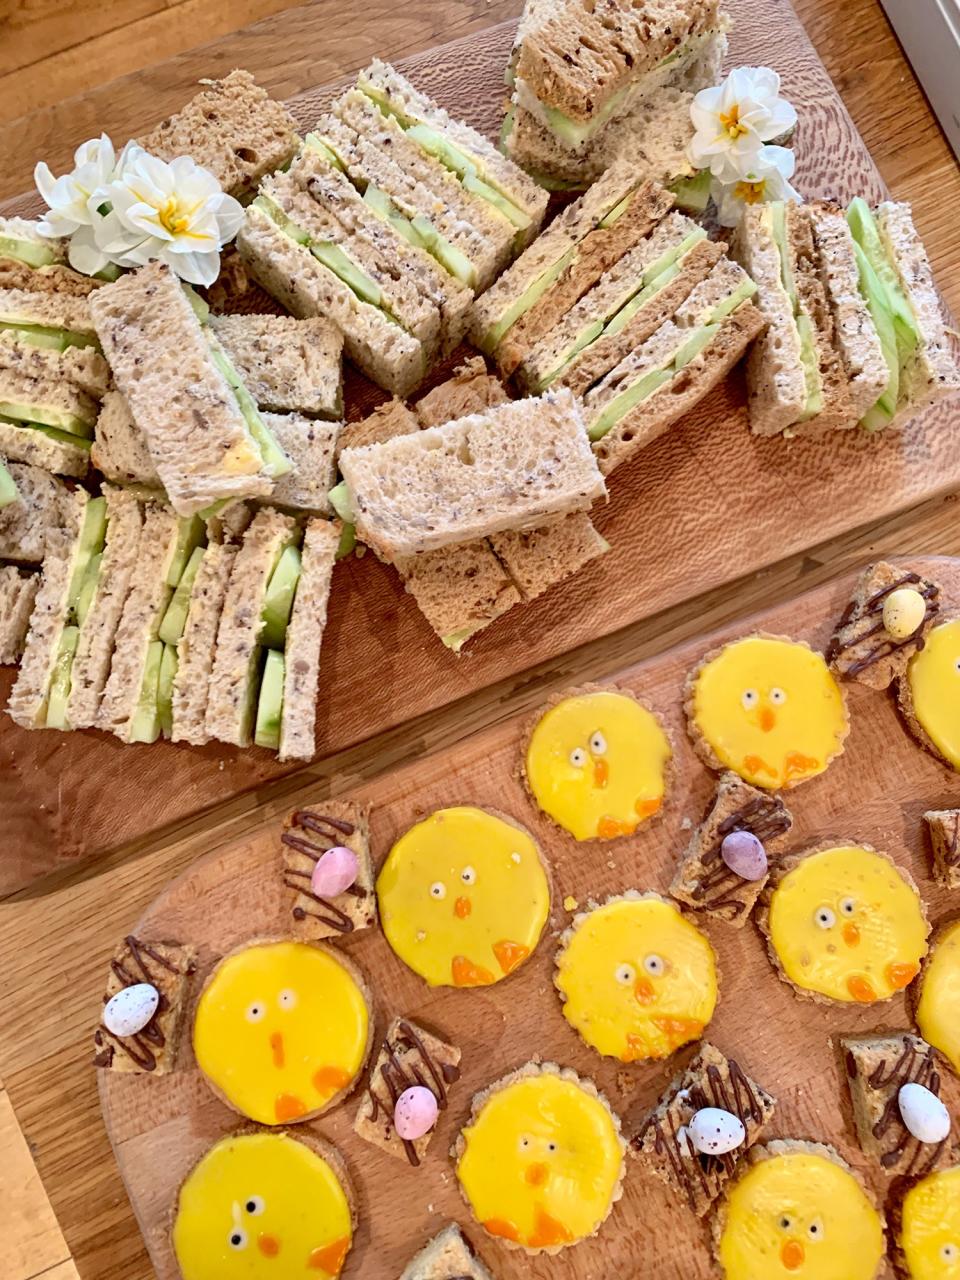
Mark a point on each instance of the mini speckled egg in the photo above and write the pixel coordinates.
(131, 1009)
(714, 1131)
(335, 871)
(923, 1113)
(903, 612)
(744, 855)
(415, 1113)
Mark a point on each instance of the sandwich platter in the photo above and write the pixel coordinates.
(740, 501)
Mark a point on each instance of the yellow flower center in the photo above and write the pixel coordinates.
(730, 121)
(172, 219)
(750, 192)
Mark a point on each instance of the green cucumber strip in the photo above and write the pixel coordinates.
(46, 416)
(201, 308)
(383, 207)
(145, 726)
(813, 386)
(59, 690)
(28, 251)
(93, 532)
(190, 533)
(452, 259)
(339, 497)
(692, 194)
(8, 489)
(314, 142)
(63, 437)
(348, 540)
(278, 598)
(168, 671)
(627, 400)
(877, 300)
(175, 617)
(274, 461)
(520, 306)
(87, 587)
(270, 703)
(865, 231)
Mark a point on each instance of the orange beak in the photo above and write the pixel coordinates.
(462, 908)
(851, 935)
(536, 1174)
(861, 988)
(276, 1045)
(792, 1255)
(767, 719)
(269, 1246)
(643, 991)
(601, 773)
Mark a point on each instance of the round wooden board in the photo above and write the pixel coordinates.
(877, 792)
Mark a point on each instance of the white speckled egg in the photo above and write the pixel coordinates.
(923, 1113)
(131, 1009)
(903, 612)
(714, 1131)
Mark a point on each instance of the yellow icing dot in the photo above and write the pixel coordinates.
(799, 1216)
(281, 1029)
(934, 675)
(638, 980)
(463, 897)
(845, 924)
(570, 904)
(770, 710)
(938, 1010)
(260, 1206)
(541, 1163)
(595, 764)
(930, 1227)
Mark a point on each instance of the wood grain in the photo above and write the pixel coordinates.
(31, 1241)
(877, 792)
(707, 497)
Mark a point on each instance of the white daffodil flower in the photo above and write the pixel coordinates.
(69, 196)
(734, 119)
(766, 179)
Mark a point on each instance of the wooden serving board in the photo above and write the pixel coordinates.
(875, 792)
(706, 503)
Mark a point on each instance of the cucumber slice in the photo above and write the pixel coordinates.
(574, 133)
(626, 314)
(37, 335)
(92, 534)
(109, 273)
(28, 251)
(621, 405)
(277, 215)
(457, 639)
(8, 489)
(314, 142)
(339, 497)
(742, 293)
(274, 461)
(617, 212)
(383, 207)
(63, 437)
(88, 587)
(60, 681)
(448, 255)
(692, 195)
(168, 672)
(866, 232)
(145, 726)
(270, 704)
(201, 308)
(694, 345)
(442, 149)
(332, 256)
(190, 533)
(348, 541)
(278, 599)
(476, 186)
(877, 300)
(520, 306)
(809, 358)
(47, 416)
(175, 618)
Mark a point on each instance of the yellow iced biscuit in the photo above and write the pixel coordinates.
(929, 1235)
(596, 764)
(847, 924)
(637, 979)
(934, 682)
(263, 1206)
(541, 1160)
(769, 709)
(938, 1009)
(800, 1213)
(282, 1029)
(463, 897)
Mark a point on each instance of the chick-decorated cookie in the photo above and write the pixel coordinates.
(464, 897)
(799, 1213)
(264, 1206)
(928, 1228)
(768, 708)
(596, 763)
(929, 694)
(938, 1005)
(637, 979)
(541, 1160)
(282, 1030)
(844, 922)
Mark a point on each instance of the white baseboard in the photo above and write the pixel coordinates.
(929, 31)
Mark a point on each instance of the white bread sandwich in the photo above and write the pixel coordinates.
(18, 594)
(56, 332)
(35, 513)
(287, 365)
(202, 427)
(855, 331)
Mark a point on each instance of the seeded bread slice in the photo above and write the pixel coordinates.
(95, 644)
(288, 365)
(448, 1256)
(308, 619)
(26, 523)
(459, 589)
(26, 381)
(46, 307)
(538, 559)
(18, 594)
(470, 390)
(80, 367)
(312, 447)
(231, 127)
(26, 444)
(195, 652)
(119, 446)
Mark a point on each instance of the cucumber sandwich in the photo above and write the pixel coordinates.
(29, 260)
(855, 332)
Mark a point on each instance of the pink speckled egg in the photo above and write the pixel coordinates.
(335, 872)
(415, 1113)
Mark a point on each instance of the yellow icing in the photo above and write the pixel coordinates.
(799, 1216)
(261, 1206)
(934, 675)
(542, 1161)
(281, 1028)
(930, 1227)
(463, 897)
(638, 980)
(938, 1010)
(770, 710)
(845, 923)
(595, 764)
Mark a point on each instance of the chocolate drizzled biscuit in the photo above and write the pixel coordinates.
(944, 828)
(862, 649)
(166, 966)
(307, 835)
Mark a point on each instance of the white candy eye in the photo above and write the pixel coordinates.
(237, 1238)
(815, 1229)
(625, 974)
(468, 875)
(598, 744)
(254, 1206)
(749, 699)
(256, 1011)
(777, 697)
(785, 1222)
(288, 999)
(949, 1253)
(825, 917)
(578, 757)
(848, 906)
(438, 890)
(654, 966)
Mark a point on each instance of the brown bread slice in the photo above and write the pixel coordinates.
(538, 559)
(197, 647)
(470, 390)
(18, 594)
(459, 589)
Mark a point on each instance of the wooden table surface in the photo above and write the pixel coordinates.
(56, 63)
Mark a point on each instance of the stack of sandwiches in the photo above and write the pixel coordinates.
(626, 302)
(391, 218)
(855, 331)
(596, 81)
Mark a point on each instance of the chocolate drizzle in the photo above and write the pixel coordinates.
(422, 1070)
(913, 1066)
(329, 828)
(951, 852)
(149, 1041)
(718, 888)
(856, 613)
